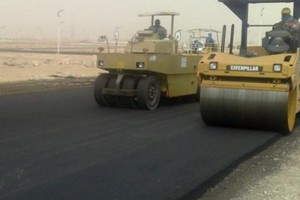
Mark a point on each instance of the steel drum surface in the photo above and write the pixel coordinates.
(244, 108)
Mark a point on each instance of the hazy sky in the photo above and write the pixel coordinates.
(87, 19)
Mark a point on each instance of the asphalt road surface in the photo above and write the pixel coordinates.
(61, 145)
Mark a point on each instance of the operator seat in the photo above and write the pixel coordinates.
(277, 41)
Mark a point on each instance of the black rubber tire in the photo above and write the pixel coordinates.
(148, 93)
(111, 99)
(125, 101)
(99, 84)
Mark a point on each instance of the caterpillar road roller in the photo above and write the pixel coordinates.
(150, 68)
(259, 87)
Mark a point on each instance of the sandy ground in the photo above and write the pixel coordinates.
(25, 66)
(272, 174)
(26, 72)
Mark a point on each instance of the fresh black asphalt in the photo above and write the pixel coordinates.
(61, 145)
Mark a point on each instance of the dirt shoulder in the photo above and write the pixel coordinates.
(273, 174)
(28, 66)
(29, 72)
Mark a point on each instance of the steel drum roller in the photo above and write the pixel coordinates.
(247, 108)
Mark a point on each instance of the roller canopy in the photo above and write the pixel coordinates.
(260, 1)
(240, 9)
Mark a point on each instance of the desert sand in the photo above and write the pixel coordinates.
(28, 66)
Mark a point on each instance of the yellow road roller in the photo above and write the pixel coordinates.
(150, 68)
(257, 87)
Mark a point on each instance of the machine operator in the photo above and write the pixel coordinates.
(290, 24)
(160, 30)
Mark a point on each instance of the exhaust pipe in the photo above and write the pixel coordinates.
(231, 39)
(223, 38)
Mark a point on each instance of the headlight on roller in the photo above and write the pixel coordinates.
(213, 65)
(101, 63)
(140, 65)
(277, 67)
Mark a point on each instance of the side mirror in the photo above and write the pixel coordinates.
(103, 38)
(178, 35)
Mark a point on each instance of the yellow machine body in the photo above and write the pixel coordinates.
(259, 88)
(260, 92)
(177, 74)
(150, 68)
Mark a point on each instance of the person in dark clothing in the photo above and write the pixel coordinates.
(210, 42)
(288, 23)
(160, 30)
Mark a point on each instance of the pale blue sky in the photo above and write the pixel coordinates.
(87, 19)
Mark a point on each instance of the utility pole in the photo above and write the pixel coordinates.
(59, 29)
(116, 36)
